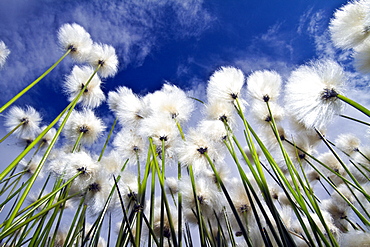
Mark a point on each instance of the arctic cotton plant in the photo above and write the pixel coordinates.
(92, 96)
(74, 38)
(103, 57)
(225, 84)
(83, 127)
(22, 122)
(350, 25)
(264, 85)
(311, 93)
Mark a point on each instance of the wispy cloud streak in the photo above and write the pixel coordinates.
(133, 27)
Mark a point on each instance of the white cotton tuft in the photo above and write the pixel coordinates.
(129, 108)
(333, 163)
(105, 56)
(74, 37)
(311, 91)
(361, 57)
(27, 119)
(350, 25)
(71, 164)
(208, 197)
(162, 130)
(48, 137)
(93, 96)
(30, 166)
(264, 85)
(355, 239)
(159, 128)
(173, 102)
(84, 122)
(192, 151)
(130, 146)
(4, 53)
(225, 84)
(347, 143)
(213, 130)
(261, 112)
(220, 110)
(97, 194)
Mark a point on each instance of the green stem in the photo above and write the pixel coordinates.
(107, 140)
(75, 219)
(354, 119)
(11, 101)
(354, 104)
(162, 193)
(229, 200)
(151, 213)
(77, 141)
(179, 207)
(12, 131)
(10, 230)
(161, 183)
(47, 152)
(197, 207)
(180, 130)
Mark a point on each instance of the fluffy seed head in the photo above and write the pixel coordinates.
(93, 96)
(166, 231)
(213, 130)
(311, 92)
(30, 166)
(48, 136)
(70, 164)
(172, 101)
(160, 128)
(129, 108)
(207, 194)
(4, 53)
(105, 56)
(223, 111)
(260, 111)
(349, 27)
(339, 214)
(98, 192)
(225, 84)
(347, 143)
(264, 85)
(130, 146)
(355, 238)
(84, 122)
(74, 37)
(28, 119)
(192, 151)
(332, 162)
(240, 198)
(361, 57)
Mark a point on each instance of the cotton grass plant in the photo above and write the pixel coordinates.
(255, 170)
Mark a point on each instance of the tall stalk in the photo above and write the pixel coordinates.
(47, 152)
(11, 101)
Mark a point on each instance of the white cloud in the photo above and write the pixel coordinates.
(253, 63)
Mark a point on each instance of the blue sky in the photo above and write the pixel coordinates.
(182, 42)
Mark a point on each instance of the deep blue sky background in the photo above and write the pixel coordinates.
(182, 42)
